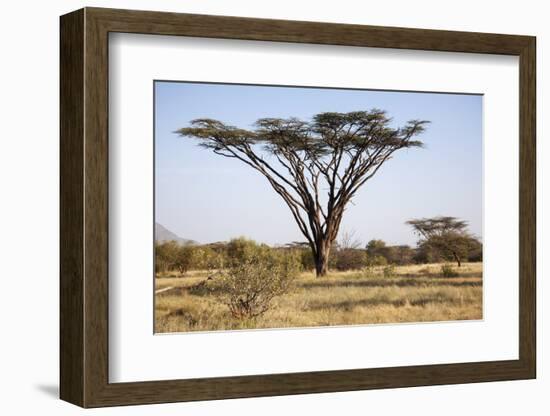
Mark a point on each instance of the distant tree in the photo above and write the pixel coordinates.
(426, 254)
(166, 253)
(185, 258)
(351, 259)
(476, 251)
(241, 249)
(400, 255)
(349, 254)
(375, 247)
(348, 241)
(448, 235)
(336, 152)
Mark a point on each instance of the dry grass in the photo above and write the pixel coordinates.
(414, 293)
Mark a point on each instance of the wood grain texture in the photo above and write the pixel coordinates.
(96, 208)
(527, 208)
(71, 213)
(84, 207)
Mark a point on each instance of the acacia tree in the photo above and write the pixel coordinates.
(315, 166)
(448, 235)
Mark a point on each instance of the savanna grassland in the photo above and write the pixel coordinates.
(409, 293)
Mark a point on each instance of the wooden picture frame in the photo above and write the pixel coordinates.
(84, 207)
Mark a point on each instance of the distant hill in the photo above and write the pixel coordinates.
(163, 234)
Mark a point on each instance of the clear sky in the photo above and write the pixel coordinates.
(207, 198)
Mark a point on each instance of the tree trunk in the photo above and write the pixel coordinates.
(457, 259)
(321, 261)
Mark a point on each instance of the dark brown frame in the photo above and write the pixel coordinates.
(84, 209)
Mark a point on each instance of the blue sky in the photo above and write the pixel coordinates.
(207, 198)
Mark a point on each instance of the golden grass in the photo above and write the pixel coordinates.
(415, 293)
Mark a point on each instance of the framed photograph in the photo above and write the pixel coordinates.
(254, 207)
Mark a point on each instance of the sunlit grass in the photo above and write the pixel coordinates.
(415, 293)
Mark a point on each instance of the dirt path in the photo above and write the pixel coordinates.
(166, 289)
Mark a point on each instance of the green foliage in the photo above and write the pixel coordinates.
(350, 259)
(399, 255)
(429, 251)
(448, 271)
(313, 139)
(165, 255)
(184, 258)
(306, 259)
(475, 251)
(241, 249)
(447, 237)
(171, 255)
(375, 247)
(425, 253)
(376, 260)
(248, 288)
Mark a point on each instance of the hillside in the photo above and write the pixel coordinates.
(163, 234)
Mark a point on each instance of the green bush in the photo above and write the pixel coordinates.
(350, 259)
(241, 249)
(165, 256)
(376, 260)
(306, 258)
(249, 287)
(448, 271)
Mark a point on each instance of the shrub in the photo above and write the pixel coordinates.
(368, 271)
(376, 260)
(476, 252)
(165, 255)
(306, 259)
(249, 287)
(350, 259)
(448, 271)
(389, 270)
(185, 258)
(241, 249)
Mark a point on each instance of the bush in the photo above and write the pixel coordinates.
(448, 271)
(165, 255)
(306, 258)
(389, 270)
(350, 259)
(376, 260)
(241, 249)
(248, 288)
(476, 252)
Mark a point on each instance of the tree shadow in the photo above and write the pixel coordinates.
(349, 305)
(388, 283)
(440, 276)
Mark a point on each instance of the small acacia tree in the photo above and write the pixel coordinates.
(448, 235)
(315, 166)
